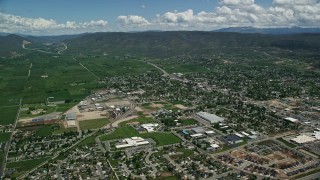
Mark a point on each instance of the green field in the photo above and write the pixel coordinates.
(93, 124)
(4, 137)
(44, 131)
(287, 143)
(8, 115)
(63, 130)
(27, 165)
(186, 122)
(119, 133)
(127, 131)
(162, 138)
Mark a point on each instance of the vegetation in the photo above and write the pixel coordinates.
(162, 138)
(93, 124)
(22, 166)
(4, 137)
(44, 131)
(121, 132)
(286, 143)
(8, 115)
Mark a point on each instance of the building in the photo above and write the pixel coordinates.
(301, 139)
(71, 116)
(232, 139)
(198, 130)
(131, 142)
(71, 123)
(291, 119)
(211, 118)
(150, 127)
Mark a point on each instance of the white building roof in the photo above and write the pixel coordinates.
(291, 119)
(303, 139)
(209, 132)
(239, 135)
(133, 141)
(212, 118)
(71, 123)
(214, 145)
(196, 135)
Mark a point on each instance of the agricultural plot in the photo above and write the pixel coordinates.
(4, 137)
(44, 131)
(107, 66)
(93, 124)
(8, 115)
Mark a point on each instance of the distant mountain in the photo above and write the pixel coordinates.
(42, 39)
(276, 31)
(10, 44)
(166, 44)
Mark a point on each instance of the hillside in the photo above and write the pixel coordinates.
(164, 44)
(10, 44)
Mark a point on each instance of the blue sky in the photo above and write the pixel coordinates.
(77, 16)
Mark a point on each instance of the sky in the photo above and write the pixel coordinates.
(56, 17)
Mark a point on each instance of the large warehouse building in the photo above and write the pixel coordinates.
(212, 118)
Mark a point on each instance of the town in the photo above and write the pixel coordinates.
(166, 125)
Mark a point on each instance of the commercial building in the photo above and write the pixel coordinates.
(211, 118)
(133, 141)
(232, 139)
(71, 116)
(150, 127)
(301, 139)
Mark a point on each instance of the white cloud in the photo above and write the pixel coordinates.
(132, 20)
(143, 6)
(232, 13)
(17, 24)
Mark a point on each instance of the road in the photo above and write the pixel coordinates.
(84, 67)
(47, 52)
(6, 149)
(163, 71)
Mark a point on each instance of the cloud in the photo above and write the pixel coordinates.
(17, 24)
(143, 6)
(233, 13)
(132, 20)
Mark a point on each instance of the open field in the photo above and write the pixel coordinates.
(93, 124)
(186, 122)
(162, 138)
(4, 137)
(119, 133)
(44, 131)
(127, 131)
(8, 115)
(140, 120)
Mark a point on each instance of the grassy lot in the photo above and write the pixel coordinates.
(140, 120)
(286, 143)
(44, 131)
(119, 133)
(22, 166)
(93, 124)
(4, 137)
(162, 138)
(186, 153)
(8, 115)
(186, 122)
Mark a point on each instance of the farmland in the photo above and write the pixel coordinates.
(4, 137)
(93, 124)
(8, 115)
